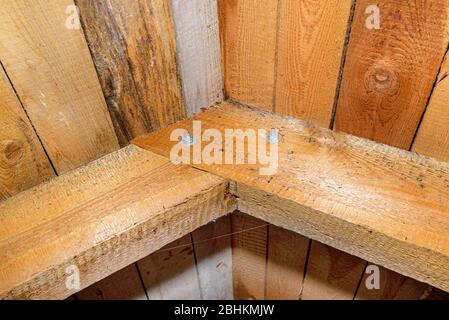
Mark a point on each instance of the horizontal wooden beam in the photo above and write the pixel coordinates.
(99, 219)
(385, 205)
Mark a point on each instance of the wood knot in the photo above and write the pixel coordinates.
(382, 81)
(13, 150)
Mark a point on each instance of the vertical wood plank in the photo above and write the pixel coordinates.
(310, 49)
(331, 274)
(287, 253)
(432, 138)
(199, 56)
(389, 72)
(213, 252)
(249, 254)
(134, 50)
(52, 71)
(393, 286)
(122, 285)
(170, 273)
(23, 163)
(248, 31)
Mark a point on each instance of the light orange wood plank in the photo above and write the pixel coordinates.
(170, 273)
(249, 254)
(248, 31)
(389, 73)
(310, 49)
(432, 138)
(52, 70)
(122, 285)
(287, 253)
(23, 163)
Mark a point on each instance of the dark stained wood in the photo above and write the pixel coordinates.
(134, 50)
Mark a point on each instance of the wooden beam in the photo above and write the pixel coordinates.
(377, 202)
(100, 218)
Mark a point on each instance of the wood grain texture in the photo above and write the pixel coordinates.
(199, 56)
(310, 49)
(134, 50)
(122, 285)
(52, 71)
(101, 218)
(287, 253)
(23, 162)
(350, 193)
(170, 273)
(389, 73)
(213, 252)
(393, 286)
(248, 31)
(432, 138)
(249, 254)
(331, 274)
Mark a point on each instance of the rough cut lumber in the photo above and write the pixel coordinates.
(389, 72)
(101, 218)
(23, 163)
(52, 71)
(170, 273)
(134, 50)
(248, 36)
(199, 56)
(377, 202)
(213, 252)
(122, 285)
(310, 49)
(432, 138)
(286, 258)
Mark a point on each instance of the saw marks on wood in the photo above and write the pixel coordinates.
(248, 31)
(23, 162)
(101, 218)
(51, 68)
(134, 50)
(309, 54)
(347, 192)
(389, 73)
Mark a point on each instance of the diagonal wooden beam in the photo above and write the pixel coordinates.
(99, 219)
(385, 205)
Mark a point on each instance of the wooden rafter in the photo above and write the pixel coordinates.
(101, 218)
(385, 205)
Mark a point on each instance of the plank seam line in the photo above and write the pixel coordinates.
(429, 98)
(195, 259)
(276, 57)
(342, 64)
(29, 119)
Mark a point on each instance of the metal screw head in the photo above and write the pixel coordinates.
(273, 136)
(187, 140)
